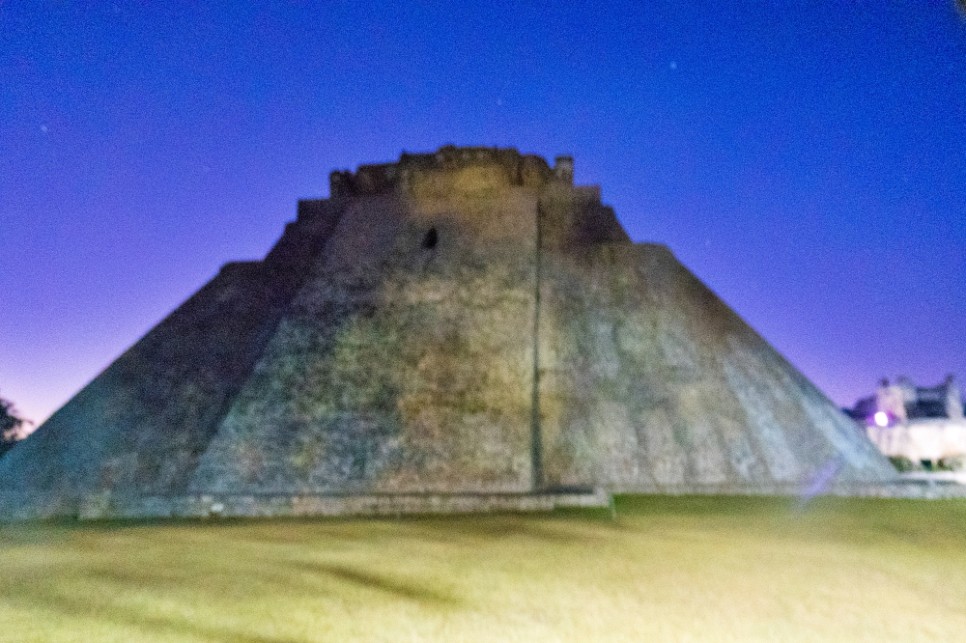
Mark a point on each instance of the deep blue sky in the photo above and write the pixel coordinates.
(807, 160)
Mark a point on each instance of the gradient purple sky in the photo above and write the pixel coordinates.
(807, 160)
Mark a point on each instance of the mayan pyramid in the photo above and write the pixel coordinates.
(461, 322)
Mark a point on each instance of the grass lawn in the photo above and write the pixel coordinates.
(717, 569)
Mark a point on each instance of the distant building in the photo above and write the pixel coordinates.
(923, 424)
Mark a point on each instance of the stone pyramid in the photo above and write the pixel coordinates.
(461, 322)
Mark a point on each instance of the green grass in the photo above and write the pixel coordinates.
(719, 569)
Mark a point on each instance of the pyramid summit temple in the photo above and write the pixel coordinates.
(456, 331)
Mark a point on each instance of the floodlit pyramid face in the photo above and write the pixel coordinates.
(464, 321)
(405, 361)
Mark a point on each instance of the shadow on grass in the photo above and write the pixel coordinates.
(542, 529)
(86, 606)
(562, 527)
(375, 582)
(14, 534)
(101, 594)
(734, 506)
(98, 579)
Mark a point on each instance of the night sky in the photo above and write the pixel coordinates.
(807, 160)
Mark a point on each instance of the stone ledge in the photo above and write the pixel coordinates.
(107, 506)
(908, 489)
(17, 507)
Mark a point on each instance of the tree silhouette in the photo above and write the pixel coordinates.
(11, 425)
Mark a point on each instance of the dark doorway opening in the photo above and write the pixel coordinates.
(431, 239)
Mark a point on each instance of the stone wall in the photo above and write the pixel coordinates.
(107, 506)
(450, 169)
(114, 506)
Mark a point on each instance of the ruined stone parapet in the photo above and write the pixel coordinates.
(564, 169)
(478, 167)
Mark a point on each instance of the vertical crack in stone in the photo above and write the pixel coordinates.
(536, 446)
